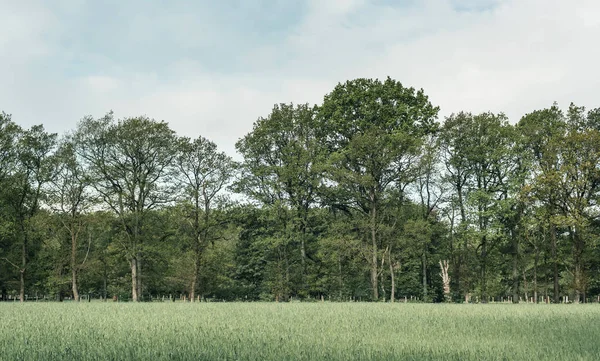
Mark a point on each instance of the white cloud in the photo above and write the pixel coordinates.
(515, 57)
(101, 84)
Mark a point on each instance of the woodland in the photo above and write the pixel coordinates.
(368, 196)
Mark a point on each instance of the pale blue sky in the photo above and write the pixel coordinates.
(213, 67)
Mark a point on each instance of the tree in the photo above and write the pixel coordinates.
(130, 162)
(9, 133)
(542, 133)
(478, 159)
(454, 141)
(70, 197)
(24, 192)
(203, 172)
(283, 168)
(373, 130)
(579, 186)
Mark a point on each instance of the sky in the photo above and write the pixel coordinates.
(212, 68)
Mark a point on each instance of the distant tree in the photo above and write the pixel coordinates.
(69, 195)
(130, 162)
(283, 168)
(9, 133)
(579, 189)
(33, 168)
(478, 151)
(374, 131)
(203, 172)
(542, 132)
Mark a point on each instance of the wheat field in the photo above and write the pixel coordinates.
(298, 331)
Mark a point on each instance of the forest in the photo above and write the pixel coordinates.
(368, 196)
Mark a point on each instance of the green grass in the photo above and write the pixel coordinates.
(296, 331)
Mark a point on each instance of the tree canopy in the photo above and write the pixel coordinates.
(366, 196)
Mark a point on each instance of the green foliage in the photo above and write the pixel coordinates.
(359, 198)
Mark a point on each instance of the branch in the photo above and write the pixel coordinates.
(12, 264)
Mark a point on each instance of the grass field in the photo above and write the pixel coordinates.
(297, 331)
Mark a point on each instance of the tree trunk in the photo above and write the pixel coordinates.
(462, 255)
(484, 269)
(303, 263)
(74, 284)
(515, 268)
(74, 266)
(105, 280)
(579, 268)
(525, 287)
(374, 284)
(134, 280)
(445, 280)
(393, 280)
(195, 277)
(577, 284)
(554, 261)
(23, 268)
(424, 261)
(287, 274)
(535, 265)
(341, 276)
(455, 257)
(139, 277)
(22, 288)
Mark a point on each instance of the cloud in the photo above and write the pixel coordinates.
(212, 70)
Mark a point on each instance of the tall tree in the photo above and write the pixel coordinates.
(283, 168)
(32, 170)
(9, 133)
(130, 161)
(374, 130)
(479, 164)
(70, 197)
(579, 186)
(454, 140)
(204, 172)
(542, 133)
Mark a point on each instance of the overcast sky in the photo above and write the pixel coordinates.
(212, 69)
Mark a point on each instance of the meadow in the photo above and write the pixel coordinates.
(298, 331)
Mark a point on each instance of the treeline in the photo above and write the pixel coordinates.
(364, 197)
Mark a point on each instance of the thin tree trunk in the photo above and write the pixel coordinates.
(341, 275)
(515, 268)
(195, 277)
(393, 279)
(74, 266)
(139, 277)
(535, 265)
(304, 221)
(578, 247)
(525, 287)
(455, 253)
(22, 288)
(374, 252)
(303, 263)
(287, 274)
(483, 269)
(22, 271)
(554, 261)
(577, 284)
(105, 281)
(134, 280)
(424, 261)
(465, 251)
